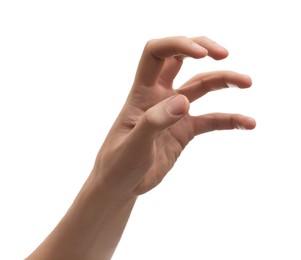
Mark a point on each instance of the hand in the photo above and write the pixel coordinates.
(154, 125)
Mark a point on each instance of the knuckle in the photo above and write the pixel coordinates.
(204, 38)
(181, 38)
(149, 120)
(150, 45)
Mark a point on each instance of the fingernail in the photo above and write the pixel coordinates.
(176, 105)
(249, 124)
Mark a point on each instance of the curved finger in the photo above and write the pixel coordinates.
(215, 50)
(221, 121)
(156, 51)
(172, 65)
(170, 70)
(203, 83)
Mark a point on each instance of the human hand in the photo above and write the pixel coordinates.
(154, 125)
(149, 134)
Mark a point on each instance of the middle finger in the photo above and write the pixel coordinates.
(203, 83)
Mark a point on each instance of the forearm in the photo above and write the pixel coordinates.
(92, 227)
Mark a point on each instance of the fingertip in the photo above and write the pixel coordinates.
(220, 53)
(178, 105)
(247, 80)
(249, 123)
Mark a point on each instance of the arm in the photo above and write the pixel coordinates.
(145, 141)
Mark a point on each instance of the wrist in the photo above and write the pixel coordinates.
(102, 193)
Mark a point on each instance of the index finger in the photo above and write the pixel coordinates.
(156, 51)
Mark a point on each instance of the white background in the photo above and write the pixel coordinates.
(65, 70)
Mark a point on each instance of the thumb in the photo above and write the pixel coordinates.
(161, 116)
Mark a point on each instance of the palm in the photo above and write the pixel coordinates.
(167, 144)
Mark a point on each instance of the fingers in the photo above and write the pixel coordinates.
(157, 51)
(157, 118)
(203, 83)
(215, 50)
(221, 121)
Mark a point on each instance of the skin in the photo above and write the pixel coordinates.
(143, 144)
